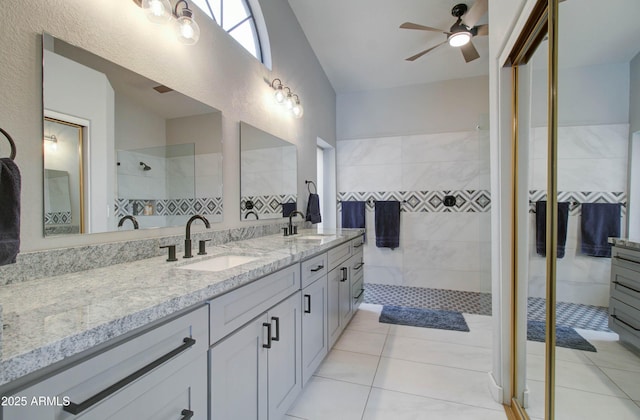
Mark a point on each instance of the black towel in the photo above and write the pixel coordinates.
(599, 222)
(354, 214)
(387, 224)
(541, 228)
(9, 211)
(287, 208)
(313, 209)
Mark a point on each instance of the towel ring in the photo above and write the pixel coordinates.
(309, 188)
(13, 145)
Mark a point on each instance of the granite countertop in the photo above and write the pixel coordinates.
(50, 319)
(625, 243)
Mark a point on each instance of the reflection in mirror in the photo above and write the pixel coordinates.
(268, 174)
(124, 117)
(63, 181)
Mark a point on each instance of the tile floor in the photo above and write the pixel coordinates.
(589, 386)
(381, 371)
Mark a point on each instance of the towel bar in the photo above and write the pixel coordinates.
(11, 142)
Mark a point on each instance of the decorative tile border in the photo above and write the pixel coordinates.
(168, 207)
(467, 201)
(266, 204)
(575, 198)
(57, 218)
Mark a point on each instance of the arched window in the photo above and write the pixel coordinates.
(239, 20)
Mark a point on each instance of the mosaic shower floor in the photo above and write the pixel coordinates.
(573, 315)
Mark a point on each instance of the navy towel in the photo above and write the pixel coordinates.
(9, 211)
(354, 215)
(600, 221)
(287, 208)
(313, 209)
(541, 228)
(387, 224)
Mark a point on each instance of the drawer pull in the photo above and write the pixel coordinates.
(186, 414)
(74, 408)
(318, 268)
(626, 287)
(359, 266)
(307, 309)
(268, 325)
(359, 245)
(345, 274)
(624, 322)
(359, 294)
(626, 259)
(277, 320)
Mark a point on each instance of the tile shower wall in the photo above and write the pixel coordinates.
(440, 247)
(592, 167)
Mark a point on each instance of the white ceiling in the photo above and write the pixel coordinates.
(360, 46)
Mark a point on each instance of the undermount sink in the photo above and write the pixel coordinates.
(219, 263)
(328, 237)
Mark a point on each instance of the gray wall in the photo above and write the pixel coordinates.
(634, 100)
(216, 71)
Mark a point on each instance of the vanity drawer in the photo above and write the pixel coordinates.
(624, 257)
(339, 254)
(357, 243)
(624, 319)
(357, 290)
(125, 376)
(313, 268)
(625, 285)
(234, 309)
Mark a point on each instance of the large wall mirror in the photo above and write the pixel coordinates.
(268, 175)
(122, 151)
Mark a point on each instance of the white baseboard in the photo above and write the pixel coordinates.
(495, 389)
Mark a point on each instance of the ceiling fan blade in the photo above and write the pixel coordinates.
(482, 30)
(469, 52)
(474, 14)
(420, 54)
(409, 25)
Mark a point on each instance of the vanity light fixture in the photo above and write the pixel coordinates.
(181, 17)
(283, 95)
(53, 141)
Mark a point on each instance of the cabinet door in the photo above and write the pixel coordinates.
(284, 356)
(238, 374)
(338, 301)
(314, 327)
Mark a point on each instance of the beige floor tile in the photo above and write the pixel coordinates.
(439, 382)
(628, 381)
(438, 353)
(325, 399)
(361, 342)
(347, 366)
(385, 405)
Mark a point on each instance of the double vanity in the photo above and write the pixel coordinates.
(234, 334)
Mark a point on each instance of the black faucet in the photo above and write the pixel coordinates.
(293, 213)
(128, 217)
(252, 212)
(187, 241)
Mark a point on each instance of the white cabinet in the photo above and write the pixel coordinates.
(339, 301)
(255, 372)
(160, 374)
(315, 343)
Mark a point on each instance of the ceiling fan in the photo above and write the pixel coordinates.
(461, 32)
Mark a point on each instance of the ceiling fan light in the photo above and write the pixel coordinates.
(459, 39)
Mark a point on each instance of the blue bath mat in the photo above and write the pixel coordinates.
(565, 336)
(426, 318)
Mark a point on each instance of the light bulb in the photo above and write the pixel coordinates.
(158, 11)
(187, 30)
(279, 94)
(297, 110)
(459, 39)
(289, 102)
